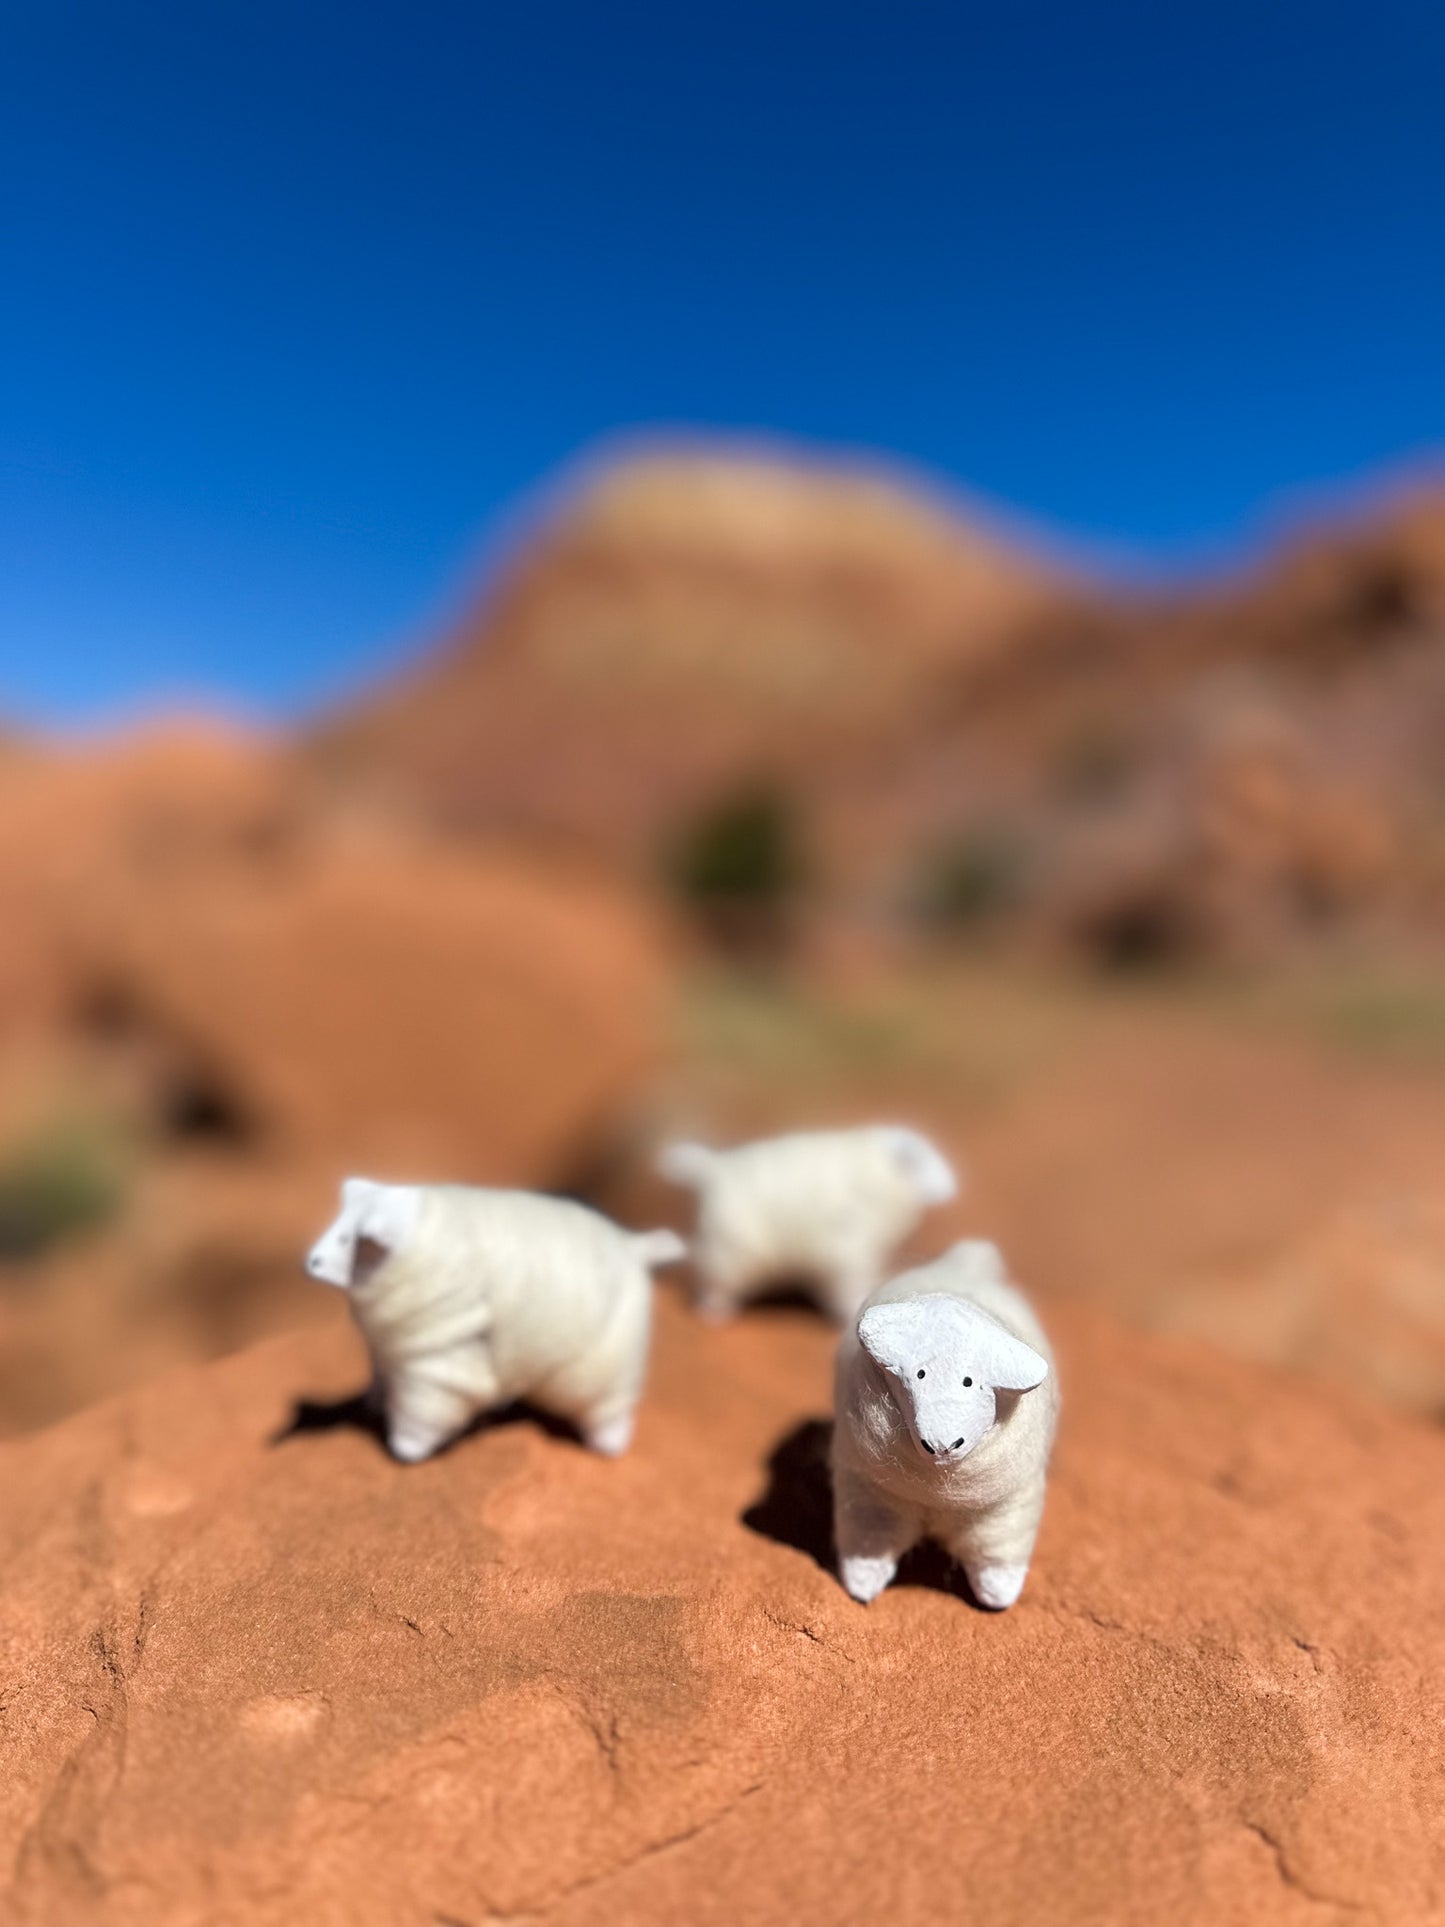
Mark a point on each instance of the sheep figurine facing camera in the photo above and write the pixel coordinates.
(826, 1209)
(946, 1406)
(468, 1299)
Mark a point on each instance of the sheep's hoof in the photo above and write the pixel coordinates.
(410, 1445)
(997, 1586)
(866, 1578)
(612, 1437)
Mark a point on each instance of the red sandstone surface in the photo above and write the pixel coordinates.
(255, 1671)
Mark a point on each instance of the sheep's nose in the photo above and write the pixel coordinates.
(926, 1446)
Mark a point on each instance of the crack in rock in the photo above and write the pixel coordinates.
(805, 1631)
(649, 1852)
(1291, 1879)
(59, 1847)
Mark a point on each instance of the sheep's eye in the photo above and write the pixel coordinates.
(968, 1381)
(921, 1372)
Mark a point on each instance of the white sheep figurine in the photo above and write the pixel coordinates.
(468, 1299)
(946, 1406)
(826, 1209)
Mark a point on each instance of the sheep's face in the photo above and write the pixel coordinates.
(374, 1221)
(945, 1362)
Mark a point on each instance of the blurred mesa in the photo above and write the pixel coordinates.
(958, 731)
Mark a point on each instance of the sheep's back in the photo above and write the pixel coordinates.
(541, 1278)
(812, 1194)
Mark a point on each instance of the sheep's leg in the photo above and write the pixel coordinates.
(998, 1584)
(719, 1291)
(608, 1430)
(846, 1285)
(422, 1415)
(715, 1307)
(872, 1536)
(607, 1419)
(995, 1551)
(599, 1392)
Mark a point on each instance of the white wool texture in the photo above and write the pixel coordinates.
(823, 1209)
(947, 1403)
(491, 1296)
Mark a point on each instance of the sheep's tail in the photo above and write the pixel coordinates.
(659, 1248)
(684, 1163)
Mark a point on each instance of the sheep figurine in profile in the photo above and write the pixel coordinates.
(468, 1299)
(946, 1407)
(824, 1209)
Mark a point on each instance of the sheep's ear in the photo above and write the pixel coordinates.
(389, 1214)
(357, 1194)
(1007, 1362)
(876, 1334)
(933, 1176)
(887, 1332)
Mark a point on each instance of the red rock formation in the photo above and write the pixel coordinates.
(687, 625)
(255, 1672)
(163, 805)
(402, 1005)
(1234, 767)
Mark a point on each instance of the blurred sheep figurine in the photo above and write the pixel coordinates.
(468, 1299)
(946, 1407)
(824, 1208)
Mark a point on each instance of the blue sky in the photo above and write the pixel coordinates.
(296, 300)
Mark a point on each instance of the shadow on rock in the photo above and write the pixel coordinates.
(929, 1566)
(796, 1510)
(361, 1413)
(356, 1414)
(797, 1507)
(782, 1295)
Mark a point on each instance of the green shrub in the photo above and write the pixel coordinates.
(57, 1184)
(739, 868)
(972, 877)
